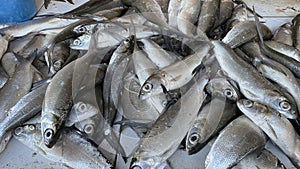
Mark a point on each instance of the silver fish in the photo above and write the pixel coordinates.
(279, 129)
(174, 76)
(261, 160)
(284, 34)
(252, 85)
(71, 149)
(237, 140)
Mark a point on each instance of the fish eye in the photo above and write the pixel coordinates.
(49, 134)
(18, 131)
(82, 29)
(57, 65)
(89, 128)
(285, 105)
(228, 93)
(164, 103)
(194, 138)
(247, 103)
(126, 41)
(136, 167)
(76, 42)
(82, 107)
(31, 127)
(147, 87)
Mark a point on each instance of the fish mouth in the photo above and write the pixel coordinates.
(50, 137)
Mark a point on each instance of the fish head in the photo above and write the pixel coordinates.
(127, 45)
(252, 109)
(284, 107)
(83, 28)
(151, 87)
(28, 134)
(140, 164)
(220, 87)
(51, 129)
(81, 43)
(58, 64)
(193, 141)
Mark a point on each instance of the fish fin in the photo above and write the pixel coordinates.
(71, 1)
(258, 28)
(197, 69)
(113, 140)
(272, 130)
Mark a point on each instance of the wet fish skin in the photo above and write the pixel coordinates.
(244, 32)
(296, 31)
(24, 28)
(121, 53)
(173, 10)
(284, 49)
(160, 142)
(279, 129)
(284, 34)
(150, 9)
(188, 12)
(72, 149)
(207, 15)
(176, 75)
(81, 43)
(3, 77)
(205, 124)
(19, 84)
(239, 14)
(3, 45)
(225, 12)
(221, 87)
(236, 140)
(56, 104)
(27, 107)
(252, 84)
(262, 160)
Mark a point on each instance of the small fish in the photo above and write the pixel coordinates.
(284, 34)
(244, 32)
(19, 84)
(208, 14)
(175, 75)
(284, 49)
(166, 134)
(251, 83)
(3, 45)
(279, 129)
(262, 160)
(72, 149)
(238, 139)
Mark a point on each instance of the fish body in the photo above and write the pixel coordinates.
(236, 140)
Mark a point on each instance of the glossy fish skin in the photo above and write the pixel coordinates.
(285, 79)
(3, 45)
(56, 104)
(205, 124)
(27, 107)
(72, 149)
(3, 77)
(156, 54)
(24, 28)
(284, 34)
(150, 9)
(284, 49)
(132, 107)
(187, 16)
(252, 85)
(123, 52)
(222, 87)
(173, 10)
(208, 13)
(239, 14)
(262, 160)
(175, 75)
(225, 12)
(81, 43)
(19, 84)
(296, 31)
(236, 140)
(166, 134)
(244, 32)
(279, 129)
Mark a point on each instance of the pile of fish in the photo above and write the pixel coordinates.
(136, 83)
